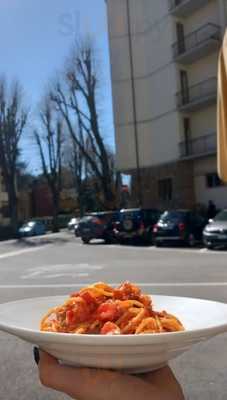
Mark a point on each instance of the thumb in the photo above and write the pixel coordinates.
(80, 383)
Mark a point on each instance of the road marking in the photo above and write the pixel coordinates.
(63, 275)
(78, 285)
(72, 271)
(20, 252)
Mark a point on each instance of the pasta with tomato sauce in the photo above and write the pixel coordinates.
(101, 309)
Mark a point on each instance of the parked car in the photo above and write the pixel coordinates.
(77, 228)
(215, 233)
(136, 225)
(98, 226)
(71, 225)
(32, 228)
(180, 226)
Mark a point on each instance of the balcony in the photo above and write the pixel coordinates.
(197, 44)
(184, 8)
(198, 96)
(197, 148)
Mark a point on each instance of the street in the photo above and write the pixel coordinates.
(60, 264)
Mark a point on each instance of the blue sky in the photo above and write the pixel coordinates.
(36, 38)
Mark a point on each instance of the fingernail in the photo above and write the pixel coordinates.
(36, 355)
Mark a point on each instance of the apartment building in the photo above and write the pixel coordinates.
(4, 212)
(164, 56)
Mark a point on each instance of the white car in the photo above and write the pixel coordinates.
(72, 223)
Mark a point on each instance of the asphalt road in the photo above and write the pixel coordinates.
(59, 264)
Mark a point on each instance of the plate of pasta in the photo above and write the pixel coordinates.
(118, 328)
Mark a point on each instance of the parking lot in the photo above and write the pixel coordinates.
(60, 264)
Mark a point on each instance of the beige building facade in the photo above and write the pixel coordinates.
(164, 57)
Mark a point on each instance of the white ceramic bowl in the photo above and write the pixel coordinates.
(202, 319)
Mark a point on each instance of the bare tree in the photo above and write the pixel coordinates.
(75, 162)
(76, 98)
(13, 119)
(50, 145)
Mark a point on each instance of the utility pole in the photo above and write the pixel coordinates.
(135, 119)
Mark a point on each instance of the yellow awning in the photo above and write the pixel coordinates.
(222, 112)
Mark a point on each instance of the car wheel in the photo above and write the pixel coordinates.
(148, 239)
(209, 246)
(108, 240)
(85, 240)
(137, 241)
(191, 240)
(158, 243)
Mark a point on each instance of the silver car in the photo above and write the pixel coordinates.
(215, 233)
(72, 223)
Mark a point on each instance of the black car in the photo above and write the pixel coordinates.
(98, 226)
(183, 226)
(77, 229)
(136, 225)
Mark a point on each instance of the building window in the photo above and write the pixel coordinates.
(165, 189)
(180, 37)
(187, 135)
(213, 180)
(5, 210)
(184, 87)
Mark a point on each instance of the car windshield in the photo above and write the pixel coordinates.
(29, 224)
(173, 216)
(130, 215)
(86, 219)
(101, 217)
(105, 217)
(222, 216)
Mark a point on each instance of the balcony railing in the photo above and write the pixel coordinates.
(197, 44)
(205, 145)
(197, 96)
(183, 8)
